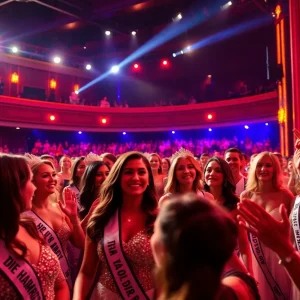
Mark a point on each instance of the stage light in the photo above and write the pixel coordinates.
(84, 47)
(14, 77)
(17, 128)
(179, 16)
(174, 54)
(79, 132)
(76, 92)
(115, 69)
(107, 32)
(267, 124)
(226, 6)
(136, 66)
(209, 129)
(53, 84)
(124, 133)
(209, 116)
(165, 62)
(133, 32)
(173, 132)
(229, 3)
(14, 49)
(246, 127)
(57, 59)
(103, 121)
(188, 47)
(181, 52)
(88, 67)
(209, 76)
(52, 118)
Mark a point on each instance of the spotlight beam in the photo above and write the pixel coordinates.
(161, 38)
(230, 32)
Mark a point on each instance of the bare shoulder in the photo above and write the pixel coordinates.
(163, 199)
(240, 288)
(208, 196)
(245, 195)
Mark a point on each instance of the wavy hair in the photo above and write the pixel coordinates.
(172, 185)
(14, 175)
(228, 186)
(111, 197)
(89, 191)
(277, 180)
(195, 258)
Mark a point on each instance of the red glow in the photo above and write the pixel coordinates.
(136, 66)
(52, 118)
(209, 116)
(165, 62)
(103, 121)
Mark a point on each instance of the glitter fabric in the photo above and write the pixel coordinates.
(64, 234)
(48, 271)
(139, 256)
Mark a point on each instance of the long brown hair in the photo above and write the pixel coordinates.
(14, 175)
(199, 237)
(111, 196)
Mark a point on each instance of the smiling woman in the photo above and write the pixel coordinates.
(120, 230)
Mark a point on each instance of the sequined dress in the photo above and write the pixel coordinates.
(139, 256)
(48, 271)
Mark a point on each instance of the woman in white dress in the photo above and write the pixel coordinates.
(265, 187)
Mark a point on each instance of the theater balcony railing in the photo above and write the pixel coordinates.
(17, 112)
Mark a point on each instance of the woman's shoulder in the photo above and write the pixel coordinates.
(165, 197)
(246, 194)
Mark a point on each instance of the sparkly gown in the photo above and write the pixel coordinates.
(48, 271)
(139, 256)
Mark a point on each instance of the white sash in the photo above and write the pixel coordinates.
(126, 282)
(295, 222)
(54, 243)
(20, 274)
(259, 255)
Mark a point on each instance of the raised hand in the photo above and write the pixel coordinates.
(256, 220)
(70, 206)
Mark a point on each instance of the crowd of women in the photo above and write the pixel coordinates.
(139, 226)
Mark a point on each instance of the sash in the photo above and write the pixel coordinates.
(295, 222)
(259, 255)
(126, 282)
(53, 242)
(20, 274)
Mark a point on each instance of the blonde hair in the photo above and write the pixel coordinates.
(277, 180)
(159, 159)
(172, 185)
(35, 167)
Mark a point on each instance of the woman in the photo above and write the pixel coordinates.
(265, 187)
(118, 235)
(155, 163)
(184, 176)
(92, 179)
(77, 172)
(64, 175)
(20, 242)
(52, 219)
(192, 242)
(165, 166)
(109, 159)
(219, 182)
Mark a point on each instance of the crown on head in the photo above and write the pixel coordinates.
(91, 157)
(32, 159)
(181, 153)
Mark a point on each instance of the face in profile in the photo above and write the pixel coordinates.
(185, 171)
(213, 174)
(264, 169)
(45, 179)
(28, 192)
(134, 177)
(101, 175)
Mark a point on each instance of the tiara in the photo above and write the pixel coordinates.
(91, 157)
(181, 153)
(147, 155)
(32, 159)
